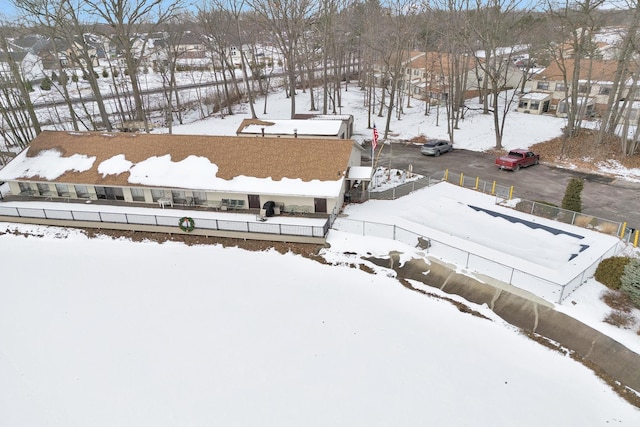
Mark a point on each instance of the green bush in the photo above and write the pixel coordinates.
(610, 271)
(74, 78)
(630, 281)
(46, 84)
(105, 73)
(572, 200)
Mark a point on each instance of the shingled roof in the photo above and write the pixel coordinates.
(277, 158)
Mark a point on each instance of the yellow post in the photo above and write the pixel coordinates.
(624, 226)
(477, 182)
(511, 193)
(493, 188)
(446, 174)
(461, 180)
(635, 241)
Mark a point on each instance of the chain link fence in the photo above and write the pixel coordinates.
(544, 288)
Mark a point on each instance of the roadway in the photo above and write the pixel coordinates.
(602, 196)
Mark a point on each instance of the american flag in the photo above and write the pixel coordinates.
(374, 142)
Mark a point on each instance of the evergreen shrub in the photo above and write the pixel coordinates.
(630, 281)
(610, 270)
(572, 200)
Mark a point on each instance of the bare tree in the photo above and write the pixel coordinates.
(17, 110)
(129, 20)
(578, 22)
(626, 70)
(287, 20)
(497, 28)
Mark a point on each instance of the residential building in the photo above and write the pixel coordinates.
(190, 170)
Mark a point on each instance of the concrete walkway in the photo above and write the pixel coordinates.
(532, 314)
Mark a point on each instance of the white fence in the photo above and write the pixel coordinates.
(544, 288)
(167, 221)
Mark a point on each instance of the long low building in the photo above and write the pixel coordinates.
(213, 171)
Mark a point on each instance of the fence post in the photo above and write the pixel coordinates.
(394, 232)
(461, 179)
(511, 193)
(635, 241)
(561, 294)
(493, 188)
(573, 220)
(446, 174)
(622, 228)
(533, 207)
(477, 182)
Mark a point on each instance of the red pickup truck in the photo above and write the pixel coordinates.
(517, 159)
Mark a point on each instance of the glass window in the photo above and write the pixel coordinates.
(178, 196)
(199, 197)
(560, 87)
(81, 191)
(534, 105)
(157, 194)
(62, 189)
(137, 194)
(605, 90)
(43, 188)
(583, 89)
(24, 186)
(543, 85)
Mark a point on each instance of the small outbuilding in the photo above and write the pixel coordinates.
(535, 103)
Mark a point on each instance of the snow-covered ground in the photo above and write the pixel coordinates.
(112, 332)
(107, 332)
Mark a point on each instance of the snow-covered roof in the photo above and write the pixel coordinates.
(360, 172)
(290, 127)
(580, 100)
(536, 96)
(287, 166)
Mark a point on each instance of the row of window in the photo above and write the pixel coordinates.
(105, 193)
(583, 88)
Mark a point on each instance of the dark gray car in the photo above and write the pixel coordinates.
(436, 147)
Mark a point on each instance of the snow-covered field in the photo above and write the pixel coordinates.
(107, 332)
(112, 332)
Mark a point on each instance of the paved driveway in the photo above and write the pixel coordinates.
(602, 196)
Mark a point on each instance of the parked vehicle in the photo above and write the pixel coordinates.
(517, 159)
(436, 147)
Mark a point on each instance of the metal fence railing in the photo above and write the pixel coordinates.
(475, 183)
(167, 221)
(544, 288)
(570, 217)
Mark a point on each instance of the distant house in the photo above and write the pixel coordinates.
(190, 46)
(141, 169)
(23, 51)
(326, 128)
(346, 118)
(595, 85)
(29, 65)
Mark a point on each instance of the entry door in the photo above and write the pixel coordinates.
(320, 205)
(254, 201)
